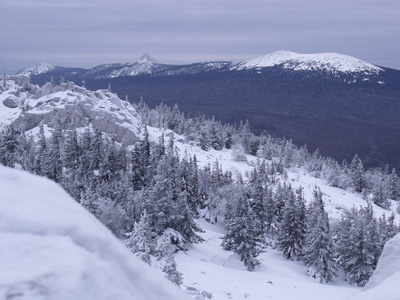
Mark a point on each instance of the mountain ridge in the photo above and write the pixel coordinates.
(329, 62)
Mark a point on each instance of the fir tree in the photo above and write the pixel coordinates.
(319, 253)
(354, 247)
(141, 239)
(171, 272)
(291, 228)
(357, 174)
(242, 236)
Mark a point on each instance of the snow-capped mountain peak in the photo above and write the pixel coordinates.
(37, 69)
(327, 62)
(144, 65)
(146, 59)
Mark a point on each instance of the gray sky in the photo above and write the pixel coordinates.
(85, 33)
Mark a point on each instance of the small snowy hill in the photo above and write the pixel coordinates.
(37, 69)
(328, 62)
(52, 248)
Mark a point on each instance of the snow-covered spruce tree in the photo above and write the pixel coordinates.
(40, 151)
(357, 256)
(290, 235)
(380, 195)
(166, 205)
(357, 174)
(52, 163)
(140, 162)
(257, 199)
(171, 272)
(141, 239)
(394, 186)
(319, 253)
(9, 146)
(242, 236)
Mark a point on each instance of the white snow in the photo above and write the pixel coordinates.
(51, 248)
(330, 62)
(207, 267)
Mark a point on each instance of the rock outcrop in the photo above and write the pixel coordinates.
(69, 105)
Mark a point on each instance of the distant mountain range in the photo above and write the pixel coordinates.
(334, 102)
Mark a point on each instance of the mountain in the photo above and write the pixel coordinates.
(331, 63)
(331, 102)
(52, 248)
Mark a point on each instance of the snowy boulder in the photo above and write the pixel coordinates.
(11, 102)
(384, 282)
(52, 248)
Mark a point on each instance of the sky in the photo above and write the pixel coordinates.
(77, 33)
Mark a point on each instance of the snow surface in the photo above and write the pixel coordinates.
(52, 248)
(329, 62)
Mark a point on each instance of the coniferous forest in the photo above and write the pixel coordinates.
(151, 196)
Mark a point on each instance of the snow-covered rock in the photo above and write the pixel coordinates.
(383, 283)
(328, 62)
(37, 69)
(26, 105)
(52, 248)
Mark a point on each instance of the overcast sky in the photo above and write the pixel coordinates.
(85, 33)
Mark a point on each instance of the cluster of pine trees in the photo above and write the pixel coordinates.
(154, 196)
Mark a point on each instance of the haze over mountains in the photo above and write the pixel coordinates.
(333, 102)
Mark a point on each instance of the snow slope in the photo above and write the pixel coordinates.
(208, 269)
(51, 248)
(329, 62)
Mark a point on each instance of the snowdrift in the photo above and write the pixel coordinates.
(386, 276)
(51, 248)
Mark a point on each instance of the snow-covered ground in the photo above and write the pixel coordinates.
(207, 267)
(52, 248)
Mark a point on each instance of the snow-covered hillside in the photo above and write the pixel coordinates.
(27, 216)
(37, 69)
(52, 248)
(328, 62)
